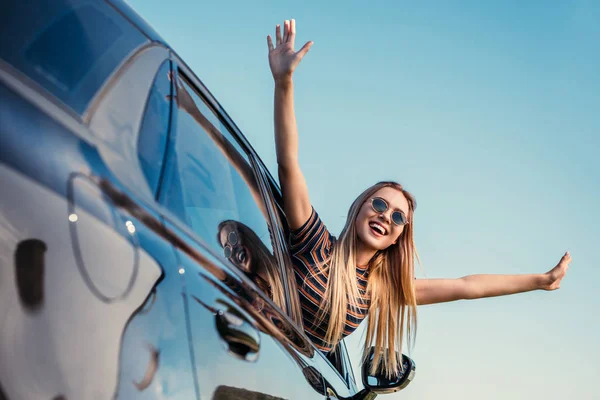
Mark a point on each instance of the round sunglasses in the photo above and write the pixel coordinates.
(232, 240)
(380, 205)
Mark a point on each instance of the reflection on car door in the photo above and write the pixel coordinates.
(90, 290)
(154, 360)
(242, 344)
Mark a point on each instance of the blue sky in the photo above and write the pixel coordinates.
(487, 113)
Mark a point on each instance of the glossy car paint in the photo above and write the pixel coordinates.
(104, 293)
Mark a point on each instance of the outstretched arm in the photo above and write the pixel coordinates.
(283, 60)
(432, 291)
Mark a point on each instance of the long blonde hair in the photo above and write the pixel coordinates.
(391, 287)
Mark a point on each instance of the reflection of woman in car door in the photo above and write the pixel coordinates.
(246, 251)
(369, 270)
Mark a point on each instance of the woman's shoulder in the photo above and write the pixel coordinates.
(312, 233)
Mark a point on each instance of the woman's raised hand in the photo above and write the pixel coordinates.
(556, 274)
(283, 60)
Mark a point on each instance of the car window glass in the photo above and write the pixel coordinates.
(207, 111)
(210, 185)
(154, 130)
(335, 358)
(69, 48)
(347, 363)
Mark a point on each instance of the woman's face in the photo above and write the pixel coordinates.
(375, 229)
(239, 254)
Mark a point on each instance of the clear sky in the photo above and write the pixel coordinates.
(488, 112)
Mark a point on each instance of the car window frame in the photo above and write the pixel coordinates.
(155, 191)
(270, 194)
(347, 365)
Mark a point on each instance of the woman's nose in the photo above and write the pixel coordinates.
(384, 216)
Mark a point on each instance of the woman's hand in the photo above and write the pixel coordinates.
(553, 277)
(283, 60)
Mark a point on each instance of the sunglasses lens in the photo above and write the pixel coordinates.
(379, 205)
(398, 218)
(232, 238)
(227, 251)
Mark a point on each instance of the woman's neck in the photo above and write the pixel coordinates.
(363, 253)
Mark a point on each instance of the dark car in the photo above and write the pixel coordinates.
(143, 250)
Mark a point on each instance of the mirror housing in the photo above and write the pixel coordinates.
(380, 384)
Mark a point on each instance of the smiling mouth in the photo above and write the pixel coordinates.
(377, 229)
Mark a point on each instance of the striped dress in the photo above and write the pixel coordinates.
(311, 244)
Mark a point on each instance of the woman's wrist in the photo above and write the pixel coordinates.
(284, 82)
(543, 281)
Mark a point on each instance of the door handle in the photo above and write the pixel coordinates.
(242, 338)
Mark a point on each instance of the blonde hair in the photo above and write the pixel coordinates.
(391, 287)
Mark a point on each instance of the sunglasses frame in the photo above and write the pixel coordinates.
(387, 207)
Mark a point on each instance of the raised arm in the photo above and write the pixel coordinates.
(283, 60)
(432, 291)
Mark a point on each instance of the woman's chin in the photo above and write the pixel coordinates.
(370, 242)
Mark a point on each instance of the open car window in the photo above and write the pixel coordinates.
(211, 186)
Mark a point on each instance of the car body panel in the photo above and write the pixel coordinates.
(106, 293)
(68, 340)
(117, 116)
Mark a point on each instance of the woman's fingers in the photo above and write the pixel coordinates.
(559, 272)
(286, 31)
(278, 35)
(304, 49)
(565, 260)
(289, 34)
(292, 35)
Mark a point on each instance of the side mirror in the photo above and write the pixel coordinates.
(380, 384)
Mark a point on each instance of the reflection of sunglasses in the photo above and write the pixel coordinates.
(381, 206)
(232, 240)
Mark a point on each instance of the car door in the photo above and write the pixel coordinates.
(244, 344)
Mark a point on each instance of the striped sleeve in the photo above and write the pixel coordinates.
(312, 239)
(310, 246)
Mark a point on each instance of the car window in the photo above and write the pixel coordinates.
(69, 49)
(336, 359)
(154, 130)
(211, 186)
(347, 363)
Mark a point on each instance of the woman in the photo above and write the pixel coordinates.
(369, 270)
(246, 251)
